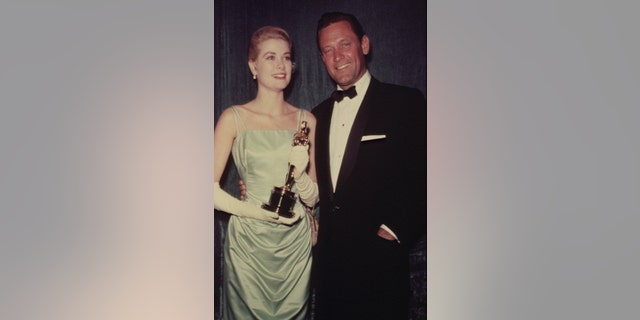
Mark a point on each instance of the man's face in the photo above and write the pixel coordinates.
(343, 53)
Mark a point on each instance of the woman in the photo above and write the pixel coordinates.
(267, 257)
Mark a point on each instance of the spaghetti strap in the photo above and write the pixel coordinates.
(301, 117)
(240, 125)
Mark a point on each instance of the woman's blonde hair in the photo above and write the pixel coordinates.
(266, 33)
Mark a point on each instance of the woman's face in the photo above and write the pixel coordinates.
(273, 65)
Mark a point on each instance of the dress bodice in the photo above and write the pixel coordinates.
(261, 157)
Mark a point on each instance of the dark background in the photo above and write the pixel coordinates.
(397, 31)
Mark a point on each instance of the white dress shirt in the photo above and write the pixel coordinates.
(344, 113)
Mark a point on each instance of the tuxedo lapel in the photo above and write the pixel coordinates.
(323, 163)
(353, 142)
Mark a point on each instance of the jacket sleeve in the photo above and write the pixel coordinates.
(408, 217)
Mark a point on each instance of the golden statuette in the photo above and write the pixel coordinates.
(282, 199)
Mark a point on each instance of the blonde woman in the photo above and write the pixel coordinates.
(267, 257)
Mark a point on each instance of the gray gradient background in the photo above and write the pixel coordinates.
(106, 121)
(533, 170)
(106, 126)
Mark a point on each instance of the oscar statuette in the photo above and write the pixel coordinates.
(282, 199)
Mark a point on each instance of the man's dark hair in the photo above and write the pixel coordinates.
(333, 17)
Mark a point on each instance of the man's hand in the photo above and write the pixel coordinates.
(243, 189)
(382, 233)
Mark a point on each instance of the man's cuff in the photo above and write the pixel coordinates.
(391, 232)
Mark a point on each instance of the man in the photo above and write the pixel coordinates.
(371, 168)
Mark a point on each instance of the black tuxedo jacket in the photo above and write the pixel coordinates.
(382, 181)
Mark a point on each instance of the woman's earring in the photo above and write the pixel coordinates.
(254, 77)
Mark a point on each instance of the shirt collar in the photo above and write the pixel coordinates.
(361, 85)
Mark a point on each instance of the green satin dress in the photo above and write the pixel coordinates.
(267, 266)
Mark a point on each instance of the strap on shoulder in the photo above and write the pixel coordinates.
(301, 117)
(240, 125)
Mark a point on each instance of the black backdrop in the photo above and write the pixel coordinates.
(397, 30)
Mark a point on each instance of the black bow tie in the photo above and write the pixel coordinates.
(338, 95)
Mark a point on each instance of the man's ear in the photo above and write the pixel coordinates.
(364, 43)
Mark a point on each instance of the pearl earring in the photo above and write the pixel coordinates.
(254, 77)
